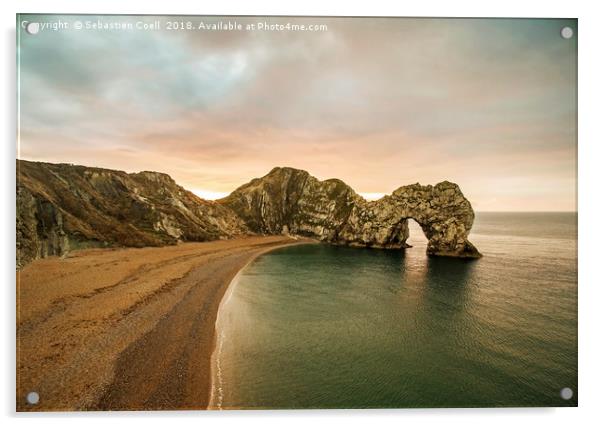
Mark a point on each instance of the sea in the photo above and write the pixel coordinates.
(322, 326)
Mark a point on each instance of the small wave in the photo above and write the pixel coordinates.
(217, 391)
(217, 380)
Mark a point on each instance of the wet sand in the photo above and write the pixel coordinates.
(125, 329)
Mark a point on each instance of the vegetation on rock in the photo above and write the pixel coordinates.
(61, 207)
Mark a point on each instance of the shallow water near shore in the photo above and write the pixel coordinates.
(318, 326)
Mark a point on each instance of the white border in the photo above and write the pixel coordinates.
(590, 285)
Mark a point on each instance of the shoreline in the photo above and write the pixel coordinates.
(215, 367)
(216, 377)
(126, 329)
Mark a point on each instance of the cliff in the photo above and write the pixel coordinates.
(291, 201)
(61, 207)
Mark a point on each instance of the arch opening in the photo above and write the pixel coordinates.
(416, 237)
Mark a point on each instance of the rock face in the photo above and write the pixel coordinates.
(291, 201)
(61, 207)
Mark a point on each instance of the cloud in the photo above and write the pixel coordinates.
(376, 102)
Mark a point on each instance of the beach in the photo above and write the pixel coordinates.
(125, 329)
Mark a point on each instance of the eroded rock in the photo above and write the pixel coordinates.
(61, 207)
(290, 200)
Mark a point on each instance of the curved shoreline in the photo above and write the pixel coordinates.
(215, 365)
(126, 329)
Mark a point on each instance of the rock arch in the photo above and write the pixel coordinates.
(442, 211)
(292, 201)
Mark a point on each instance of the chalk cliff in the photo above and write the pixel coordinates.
(62, 207)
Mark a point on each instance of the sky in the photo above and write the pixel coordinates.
(489, 104)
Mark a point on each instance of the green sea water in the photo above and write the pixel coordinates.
(319, 326)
